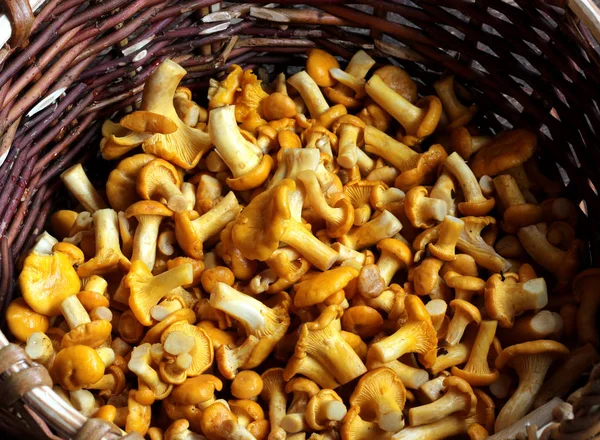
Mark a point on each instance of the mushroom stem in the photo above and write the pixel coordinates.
(82, 189)
(145, 238)
(171, 279)
(477, 371)
(446, 428)
(467, 180)
(409, 115)
(405, 340)
(447, 404)
(311, 248)
(310, 92)
(508, 191)
(364, 162)
(74, 312)
(347, 145)
(249, 311)
(40, 349)
(229, 142)
(385, 225)
(215, 220)
(388, 148)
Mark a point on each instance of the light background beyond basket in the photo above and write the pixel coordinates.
(526, 63)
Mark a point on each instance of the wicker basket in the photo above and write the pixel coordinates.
(70, 64)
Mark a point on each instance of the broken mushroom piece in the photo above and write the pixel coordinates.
(267, 220)
(249, 169)
(310, 92)
(505, 298)
(171, 138)
(422, 210)
(419, 120)
(458, 398)
(475, 203)
(325, 410)
(531, 360)
(415, 168)
(381, 396)
(465, 313)
(322, 354)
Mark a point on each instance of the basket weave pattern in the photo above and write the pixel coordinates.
(530, 64)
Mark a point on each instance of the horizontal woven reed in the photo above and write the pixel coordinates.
(526, 63)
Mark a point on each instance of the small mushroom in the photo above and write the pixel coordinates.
(449, 234)
(82, 329)
(191, 234)
(349, 130)
(140, 365)
(251, 416)
(310, 92)
(385, 225)
(419, 120)
(118, 140)
(247, 384)
(23, 321)
(415, 169)
(158, 180)
(179, 430)
(470, 242)
(359, 193)
(506, 298)
(465, 313)
(475, 203)
(422, 210)
(417, 335)
(477, 371)
(111, 384)
(531, 360)
(303, 390)
(149, 215)
(517, 212)
(465, 144)
(121, 184)
(459, 114)
(39, 348)
(459, 398)
(318, 288)
(274, 394)
(381, 396)
(201, 350)
(505, 151)
(82, 189)
(355, 428)
(198, 391)
(61, 223)
(77, 367)
(219, 423)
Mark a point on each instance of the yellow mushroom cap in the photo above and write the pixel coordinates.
(246, 385)
(77, 367)
(22, 321)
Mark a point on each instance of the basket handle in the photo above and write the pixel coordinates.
(20, 16)
(588, 13)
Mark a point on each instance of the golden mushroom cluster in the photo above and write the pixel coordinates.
(331, 255)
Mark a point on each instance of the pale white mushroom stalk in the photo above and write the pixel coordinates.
(385, 225)
(292, 161)
(74, 312)
(388, 148)
(140, 365)
(44, 244)
(83, 401)
(347, 254)
(82, 189)
(40, 349)
(237, 153)
(189, 193)
(310, 92)
(317, 200)
(145, 239)
(215, 220)
(467, 180)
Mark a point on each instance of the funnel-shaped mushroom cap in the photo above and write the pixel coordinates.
(507, 150)
(381, 396)
(516, 353)
(318, 288)
(196, 390)
(202, 351)
(121, 184)
(47, 280)
(355, 428)
(172, 140)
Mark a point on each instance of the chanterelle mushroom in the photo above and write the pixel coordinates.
(322, 354)
(381, 396)
(505, 151)
(172, 139)
(531, 360)
(267, 220)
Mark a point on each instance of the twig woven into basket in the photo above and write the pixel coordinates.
(70, 64)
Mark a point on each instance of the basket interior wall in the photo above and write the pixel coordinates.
(525, 63)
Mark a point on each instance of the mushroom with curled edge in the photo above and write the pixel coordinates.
(381, 396)
(318, 288)
(427, 281)
(449, 234)
(191, 234)
(147, 290)
(121, 189)
(23, 321)
(458, 398)
(179, 430)
(506, 150)
(415, 168)
(471, 242)
(266, 324)
(356, 70)
(475, 203)
(279, 105)
(465, 287)
(517, 212)
(466, 144)
(61, 222)
(505, 298)
(419, 120)
(111, 384)
(77, 367)
(453, 425)
(477, 371)
(201, 350)
(223, 93)
(395, 255)
(422, 210)
(417, 335)
(459, 114)
(363, 321)
(322, 354)
(242, 267)
(251, 416)
(149, 215)
(82, 189)
(140, 364)
(267, 220)
(355, 428)
(158, 180)
(465, 313)
(531, 360)
(339, 218)
(585, 288)
(82, 329)
(248, 103)
(117, 140)
(219, 423)
(325, 410)
(562, 264)
(310, 92)
(390, 301)
(171, 138)
(359, 193)
(302, 390)
(349, 130)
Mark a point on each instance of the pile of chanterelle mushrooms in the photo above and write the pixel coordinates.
(325, 256)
